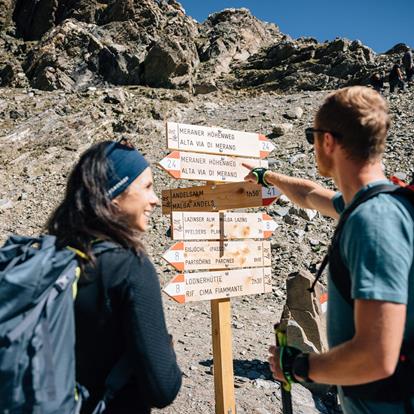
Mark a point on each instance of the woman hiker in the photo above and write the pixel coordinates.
(118, 309)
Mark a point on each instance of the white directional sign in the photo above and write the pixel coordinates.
(193, 287)
(217, 141)
(206, 167)
(218, 197)
(210, 226)
(200, 255)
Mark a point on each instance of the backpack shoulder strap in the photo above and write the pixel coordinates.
(345, 285)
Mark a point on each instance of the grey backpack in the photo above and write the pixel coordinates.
(37, 329)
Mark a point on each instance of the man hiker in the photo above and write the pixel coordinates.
(395, 78)
(367, 321)
(407, 61)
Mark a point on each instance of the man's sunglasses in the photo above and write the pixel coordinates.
(310, 134)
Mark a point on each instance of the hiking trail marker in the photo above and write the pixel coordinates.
(209, 140)
(214, 197)
(200, 255)
(193, 287)
(205, 167)
(213, 226)
(208, 233)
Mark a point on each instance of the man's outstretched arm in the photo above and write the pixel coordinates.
(304, 193)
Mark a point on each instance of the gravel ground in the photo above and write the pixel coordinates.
(43, 133)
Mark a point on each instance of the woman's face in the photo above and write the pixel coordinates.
(138, 201)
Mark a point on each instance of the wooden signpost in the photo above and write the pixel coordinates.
(193, 287)
(208, 140)
(213, 226)
(218, 197)
(200, 255)
(205, 167)
(208, 232)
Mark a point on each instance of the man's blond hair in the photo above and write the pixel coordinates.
(359, 117)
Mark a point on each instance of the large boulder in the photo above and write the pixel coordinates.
(73, 44)
(11, 71)
(67, 58)
(226, 37)
(305, 64)
(167, 61)
(136, 42)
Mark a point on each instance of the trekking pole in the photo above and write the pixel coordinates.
(285, 387)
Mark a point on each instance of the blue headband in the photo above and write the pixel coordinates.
(125, 165)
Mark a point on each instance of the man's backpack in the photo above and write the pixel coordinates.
(37, 328)
(400, 386)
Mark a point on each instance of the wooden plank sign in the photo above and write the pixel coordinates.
(209, 140)
(218, 197)
(203, 255)
(211, 226)
(194, 287)
(193, 166)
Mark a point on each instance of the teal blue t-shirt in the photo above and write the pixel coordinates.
(377, 245)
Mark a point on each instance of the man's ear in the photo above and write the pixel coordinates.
(329, 142)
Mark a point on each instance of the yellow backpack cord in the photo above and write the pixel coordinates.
(78, 270)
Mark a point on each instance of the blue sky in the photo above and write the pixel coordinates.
(378, 24)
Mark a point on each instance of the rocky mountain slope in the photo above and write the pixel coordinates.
(74, 44)
(43, 133)
(75, 72)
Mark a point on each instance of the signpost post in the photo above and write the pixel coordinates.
(209, 233)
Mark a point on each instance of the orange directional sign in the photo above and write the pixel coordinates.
(206, 167)
(218, 197)
(193, 287)
(211, 226)
(200, 255)
(209, 140)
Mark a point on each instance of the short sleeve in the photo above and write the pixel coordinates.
(377, 247)
(338, 202)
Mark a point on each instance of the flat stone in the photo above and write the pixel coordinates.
(307, 213)
(263, 384)
(283, 200)
(300, 233)
(294, 113)
(295, 158)
(281, 211)
(281, 129)
(5, 204)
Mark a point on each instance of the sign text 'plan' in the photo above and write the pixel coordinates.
(226, 225)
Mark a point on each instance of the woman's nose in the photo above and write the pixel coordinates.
(155, 200)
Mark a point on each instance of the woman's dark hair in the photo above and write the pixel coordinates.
(86, 212)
